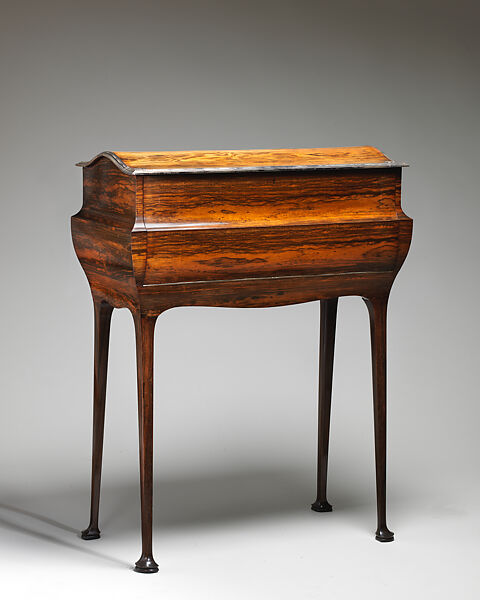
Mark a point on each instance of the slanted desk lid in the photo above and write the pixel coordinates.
(227, 161)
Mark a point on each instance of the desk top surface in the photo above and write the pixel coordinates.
(220, 161)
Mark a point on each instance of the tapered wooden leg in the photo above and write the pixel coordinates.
(144, 329)
(328, 320)
(103, 317)
(377, 308)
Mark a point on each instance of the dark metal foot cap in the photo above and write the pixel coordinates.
(146, 565)
(384, 535)
(91, 533)
(322, 506)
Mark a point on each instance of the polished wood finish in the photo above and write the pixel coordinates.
(328, 322)
(239, 229)
(226, 254)
(143, 163)
(377, 309)
(144, 330)
(103, 317)
(258, 200)
(251, 158)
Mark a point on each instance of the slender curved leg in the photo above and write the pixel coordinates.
(377, 308)
(328, 321)
(144, 330)
(103, 317)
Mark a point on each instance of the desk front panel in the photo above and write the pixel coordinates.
(243, 225)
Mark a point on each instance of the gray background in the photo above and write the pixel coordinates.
(236, 389)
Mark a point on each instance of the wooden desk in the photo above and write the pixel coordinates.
(247, 229)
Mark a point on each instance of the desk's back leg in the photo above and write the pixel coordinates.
(103, 317)
(377, 308)
(328, 320)
(144, 329)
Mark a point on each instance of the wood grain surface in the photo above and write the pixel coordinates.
(136, 231)
(252, 158)
(265, 200)
(237, 253)
(142, 163)
(239, 229)
(102, 233)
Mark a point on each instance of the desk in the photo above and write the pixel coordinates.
(238, 229)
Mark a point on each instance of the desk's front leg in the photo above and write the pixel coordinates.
(103, 317)
(144, 330)
(328, 321)
(377, 308)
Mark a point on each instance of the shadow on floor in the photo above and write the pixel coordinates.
(179, 502)
(57, 515)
